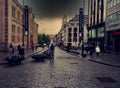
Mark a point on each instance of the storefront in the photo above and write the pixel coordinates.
(113, 40)
(96, 37)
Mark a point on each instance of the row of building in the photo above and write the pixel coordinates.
(17, 25)
(101, 26)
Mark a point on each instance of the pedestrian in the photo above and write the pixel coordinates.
(52, 49)
(11, 48)
(19, 49)
(92, 50)
(22, 52)
(97, 49)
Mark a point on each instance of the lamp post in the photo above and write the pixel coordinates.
(81, 25)
(23, 22)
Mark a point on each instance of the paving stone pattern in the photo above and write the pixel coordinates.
(66, 71)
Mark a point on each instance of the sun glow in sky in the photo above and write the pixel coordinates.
(49, 26)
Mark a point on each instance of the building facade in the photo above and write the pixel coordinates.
(11, 24)
(96, 22)
(71, 33)
(35, 34)
(113, 25)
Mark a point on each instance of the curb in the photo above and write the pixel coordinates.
(25, 56)
(104, 63)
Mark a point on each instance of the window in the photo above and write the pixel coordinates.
(108, 19)
(111, 18)
(101, 32)
(108, 5)
(13, 28)
(75, 29)
(13, 11)
(69, 30)
(69, 39)
(13, 38)
(75, 34)
(18, 15)
(22, 17)
(72, 24)
(93, 33)
(18, 30)
(75, 39)
(118, 1)
(111, 3)
(114, 2)
(118, 15)
(18, 38)
(90, 34)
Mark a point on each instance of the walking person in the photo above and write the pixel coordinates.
(52, 49)
(92, 50)
(97, 49)
(22, 50)
(19, 49)
(11, 48)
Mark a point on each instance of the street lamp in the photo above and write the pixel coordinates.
(23, 22)
(81, 26)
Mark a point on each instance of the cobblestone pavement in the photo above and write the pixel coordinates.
(66, 71)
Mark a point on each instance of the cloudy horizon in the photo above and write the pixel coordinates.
(49, 13)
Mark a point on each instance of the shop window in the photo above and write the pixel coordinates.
(93, 33)
(101, 32)
(90, 34)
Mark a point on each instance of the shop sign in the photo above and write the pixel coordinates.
(112, 24)
(117, 33)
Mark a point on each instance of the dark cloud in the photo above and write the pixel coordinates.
(54, 8)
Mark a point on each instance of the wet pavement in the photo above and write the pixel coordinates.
(66, 71)
(110, 59)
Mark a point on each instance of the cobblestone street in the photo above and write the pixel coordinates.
(66, 71)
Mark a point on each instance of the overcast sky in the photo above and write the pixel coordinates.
(49, 13)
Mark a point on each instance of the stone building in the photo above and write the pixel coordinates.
(12, 24)
(113, 25)
(96, 22)
(68, 35)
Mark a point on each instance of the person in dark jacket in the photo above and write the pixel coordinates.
(11, 48)
(92, 50)
(21, 52)
(19, 49)
(52, 49)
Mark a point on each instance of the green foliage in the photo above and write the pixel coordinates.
(42, 38)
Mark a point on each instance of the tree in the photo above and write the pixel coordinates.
(42, 38)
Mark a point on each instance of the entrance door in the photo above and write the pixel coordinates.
(117, 44)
